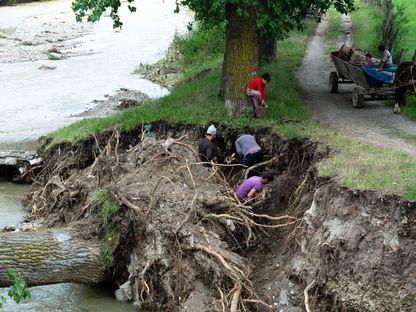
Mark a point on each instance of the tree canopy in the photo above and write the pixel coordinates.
(276, 17)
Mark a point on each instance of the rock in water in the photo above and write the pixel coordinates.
(55, 56)
(46, 67)
(124, 292)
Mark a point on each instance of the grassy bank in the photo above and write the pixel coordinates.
(196, 101)
(354, 164)
(199, 51)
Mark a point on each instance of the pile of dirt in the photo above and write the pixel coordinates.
(179, 240)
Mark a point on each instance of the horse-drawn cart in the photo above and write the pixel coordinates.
(367, 88)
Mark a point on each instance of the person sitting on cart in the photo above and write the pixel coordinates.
(369, 61)
(386, 59)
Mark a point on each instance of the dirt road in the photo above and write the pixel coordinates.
(375, 123)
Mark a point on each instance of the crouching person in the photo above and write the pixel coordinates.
(256, 90)
(248, 149)
(206, 148)
(252, 186)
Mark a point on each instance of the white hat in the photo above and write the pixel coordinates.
(211, 130)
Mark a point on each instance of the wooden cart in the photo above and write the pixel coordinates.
(348, 73)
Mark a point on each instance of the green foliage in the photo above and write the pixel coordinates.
(93, 10)
(201, 44)
(18, 291)
(410, 109)
(108, 206)
(200, 50)
(407, 41)
(367, 21)
(334, 25)
(108, 209)
(3, 301)
(276, 18)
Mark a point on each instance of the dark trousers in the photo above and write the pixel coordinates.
(251, 159)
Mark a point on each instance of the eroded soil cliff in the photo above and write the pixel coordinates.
(183, 242)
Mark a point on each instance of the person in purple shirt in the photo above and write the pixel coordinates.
(248, 189)
(369, 61)
(248, 149)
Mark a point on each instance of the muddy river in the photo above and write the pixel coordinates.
(52, 69)
(39, 95)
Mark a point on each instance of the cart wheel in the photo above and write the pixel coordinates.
(357, 98)
(333, 82)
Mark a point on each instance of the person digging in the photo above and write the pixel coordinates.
(256, 90)
(248, 149)
(206, 149)
(250, 187)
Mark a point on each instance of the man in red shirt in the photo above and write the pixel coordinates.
(256, 90)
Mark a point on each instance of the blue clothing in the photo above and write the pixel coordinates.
(376, 78)
(246, 144)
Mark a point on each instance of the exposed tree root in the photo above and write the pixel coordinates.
(176, 222)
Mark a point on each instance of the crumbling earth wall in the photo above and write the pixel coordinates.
(179, 240)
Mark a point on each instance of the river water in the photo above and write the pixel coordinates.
(35, 101)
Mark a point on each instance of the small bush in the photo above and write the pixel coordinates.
(201, 44)
(108, 208)
(18, 291)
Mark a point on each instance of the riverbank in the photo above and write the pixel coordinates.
(164, 239)
(60, 89)
(354, 163)
(181, 241)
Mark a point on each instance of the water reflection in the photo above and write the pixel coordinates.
(69, 297)
(11, 209)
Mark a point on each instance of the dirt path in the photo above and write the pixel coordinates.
(375, 123)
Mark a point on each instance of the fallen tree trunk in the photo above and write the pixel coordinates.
(49, 257)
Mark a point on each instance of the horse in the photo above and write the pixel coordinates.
(404, 81)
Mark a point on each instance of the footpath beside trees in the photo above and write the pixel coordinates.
(246, 21)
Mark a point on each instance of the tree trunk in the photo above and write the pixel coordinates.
(267, 46)
(241, 58)
(49, 257)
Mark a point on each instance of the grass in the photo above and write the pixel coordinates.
(366, 20)
(409, 39)
(108, 208)
(188, 55)
(334, 25)
(362, 166)
(409, 43)
(354, 164)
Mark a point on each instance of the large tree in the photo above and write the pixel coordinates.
(249, 24)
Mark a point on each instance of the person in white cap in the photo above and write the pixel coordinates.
(206, 148)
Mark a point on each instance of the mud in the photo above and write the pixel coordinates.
(181, 241)
(375, 123)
